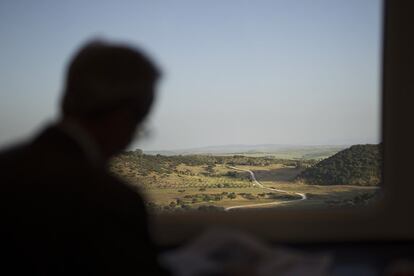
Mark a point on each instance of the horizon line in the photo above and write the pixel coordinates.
(252, 145)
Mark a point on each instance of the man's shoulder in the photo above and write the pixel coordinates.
(52, 162)
(12, 156)
(47, 141)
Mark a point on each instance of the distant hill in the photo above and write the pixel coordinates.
(357, 165)
(274, 150)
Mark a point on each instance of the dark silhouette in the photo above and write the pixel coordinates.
(62, 212)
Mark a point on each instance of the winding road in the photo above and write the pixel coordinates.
(260, 185)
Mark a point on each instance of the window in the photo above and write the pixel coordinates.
(262, 90)
(265, 104)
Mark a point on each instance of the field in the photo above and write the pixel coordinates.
(224, 182)
(274, 151)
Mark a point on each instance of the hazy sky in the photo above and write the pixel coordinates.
(235, 72)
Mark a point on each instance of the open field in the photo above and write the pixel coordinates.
(292, 155)
(183, 186)
(274, 151)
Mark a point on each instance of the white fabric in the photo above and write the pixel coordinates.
(84, 140)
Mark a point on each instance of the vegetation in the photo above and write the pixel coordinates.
(211, 183)
(363, 199)
(357, 165)
(144, 164)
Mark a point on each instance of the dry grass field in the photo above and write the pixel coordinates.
(216, 187)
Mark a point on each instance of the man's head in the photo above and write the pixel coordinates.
(109, 90)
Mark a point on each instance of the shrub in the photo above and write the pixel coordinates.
(231, 196)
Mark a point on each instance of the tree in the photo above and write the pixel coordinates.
(138, 152)
(231, 195)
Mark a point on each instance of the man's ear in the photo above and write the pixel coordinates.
(119, 127)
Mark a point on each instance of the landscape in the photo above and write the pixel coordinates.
(232, 178)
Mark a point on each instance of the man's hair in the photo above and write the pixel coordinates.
(103, 77)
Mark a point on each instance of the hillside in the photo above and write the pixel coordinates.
(211, 183)
(357, 165)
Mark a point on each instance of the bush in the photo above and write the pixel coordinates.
(231, 196)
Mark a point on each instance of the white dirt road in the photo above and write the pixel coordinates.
(260, 185)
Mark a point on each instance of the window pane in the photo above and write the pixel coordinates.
(265, 104)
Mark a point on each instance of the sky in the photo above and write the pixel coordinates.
(303, 72)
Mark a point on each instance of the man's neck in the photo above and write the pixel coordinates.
(85, 139)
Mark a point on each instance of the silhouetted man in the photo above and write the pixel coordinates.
(62, 212)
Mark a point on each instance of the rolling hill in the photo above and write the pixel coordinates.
(357, 165)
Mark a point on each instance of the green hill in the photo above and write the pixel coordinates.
(357, 165)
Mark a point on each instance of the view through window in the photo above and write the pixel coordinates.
(265, 104)
(262, 104)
